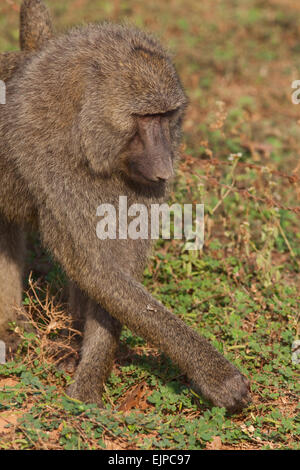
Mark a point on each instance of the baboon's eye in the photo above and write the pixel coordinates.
(171, 113)
(168, 114)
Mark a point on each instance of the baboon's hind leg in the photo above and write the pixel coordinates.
(12, 249)
(78, 304)
(100, 342)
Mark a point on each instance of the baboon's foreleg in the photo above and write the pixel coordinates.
(100, 342)
(12, 249)
(132, 305)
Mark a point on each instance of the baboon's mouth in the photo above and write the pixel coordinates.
(143, 175)
(141, 178)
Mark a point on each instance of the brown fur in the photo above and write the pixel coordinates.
(11, 274)
(67, 134)
(35, 25)
(9, 63)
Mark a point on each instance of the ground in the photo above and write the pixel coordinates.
(240, 157)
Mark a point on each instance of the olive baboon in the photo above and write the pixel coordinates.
(92, 115)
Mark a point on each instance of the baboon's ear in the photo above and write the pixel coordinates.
(35, 25)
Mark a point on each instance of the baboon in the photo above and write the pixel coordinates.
(91, 115)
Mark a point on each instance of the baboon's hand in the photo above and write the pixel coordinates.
(225, 386)
(237, 393)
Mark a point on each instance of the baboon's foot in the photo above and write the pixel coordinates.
(11, 340)
(86, 392)
(68, 365)
(11, 330)
(7, 335)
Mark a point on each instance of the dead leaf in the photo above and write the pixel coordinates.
(134, 398)
(8, 382)
(8, 418)
(215, 444)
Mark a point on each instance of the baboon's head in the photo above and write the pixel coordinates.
(133, 106)
(114, 91)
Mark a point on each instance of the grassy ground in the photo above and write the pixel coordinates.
(241, 158)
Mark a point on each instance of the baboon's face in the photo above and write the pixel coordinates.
(132, 111)
(150, 154)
